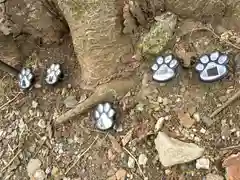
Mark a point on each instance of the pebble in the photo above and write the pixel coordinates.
(142, 159)
(203, 163)
(196, 116)
(172, 151)
(131, 162)
(42, 124)
(33, 166)
(70, 102)
(34, 104)
(159, 124)
(160, 99)
(208, 121)
(111, 155)
(185, 119)
(39, 175)
(121, 174)
(112, 178)
(203, 131)
(37, 86)
(165, 101)
(211, 176)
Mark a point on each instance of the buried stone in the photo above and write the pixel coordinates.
(165, 68)
(213, 66)
(25, 78)
(54, 74)
(104, 116)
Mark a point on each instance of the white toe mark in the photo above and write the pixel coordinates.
(200, 67)
(204, 59)
(30, 76)
(223, 59)
(168, 59)
(57, 67)
(160, 60)
(154, 67)
(52, 66)
(173, 63)
(106, 107)
(100, 108)
(111, 113)
(58, 72)
(97, 115)
(214, 56)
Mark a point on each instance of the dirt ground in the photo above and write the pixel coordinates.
(27, 130)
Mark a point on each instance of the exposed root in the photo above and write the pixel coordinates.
(106, 92)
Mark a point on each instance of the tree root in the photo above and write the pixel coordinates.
(105, 92)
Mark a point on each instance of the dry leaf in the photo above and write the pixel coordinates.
(115, 145)
(185, 119)
(232, 165)
(127, 137)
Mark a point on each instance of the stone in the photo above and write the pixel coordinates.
(121, 174)
(131, 162)
(34, 104)
(172, 151)
(33, 166)
(112, 178)
(159, 124)
(42, 123)
(39, 175)
(196, 117)
(142, 159)
(161, 32)
(70, 102)
(203, 163)
(232, 165)
(211, 176)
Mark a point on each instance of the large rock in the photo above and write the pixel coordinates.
(161, 32)
(172, 151)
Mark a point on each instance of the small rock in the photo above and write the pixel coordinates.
(42, 124)
(185, 119)
(208, 121)
(203, 163)
(160, 99)
(131, 162)
(165, 101)
(159, 124)
(121, 174)
(39, 175)
(37, 86)
(196, 116)
(70, 102)
(33, 166)
(34, 104)
(172, 151)
(142, 159)
(202, 130)
(115, 145)
(211, 176)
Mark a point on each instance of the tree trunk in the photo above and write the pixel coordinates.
(96, 31)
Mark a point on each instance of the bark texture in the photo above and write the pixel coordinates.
(96, 31)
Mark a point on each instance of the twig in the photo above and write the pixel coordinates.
(139, 167)
(81, 155)
(230, 147)
(11, 100)
(216, 35)
(10, 162)
(227, 103)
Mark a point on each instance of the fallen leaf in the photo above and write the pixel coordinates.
(232, 165)
(115, 145)
(127, 137)
(185, 119)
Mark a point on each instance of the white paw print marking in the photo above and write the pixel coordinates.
(213, 66)
(53, 74)
(165, 68)
(104, 115)
(25, 78)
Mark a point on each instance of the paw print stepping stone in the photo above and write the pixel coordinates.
(25, 78)
(54, 73)
(104, 116)
(165, 68)
(212, 67)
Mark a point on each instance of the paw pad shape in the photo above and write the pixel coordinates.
(25, 78)
(213, 66)
(53, 74)
(104, 116)
(165, 68)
